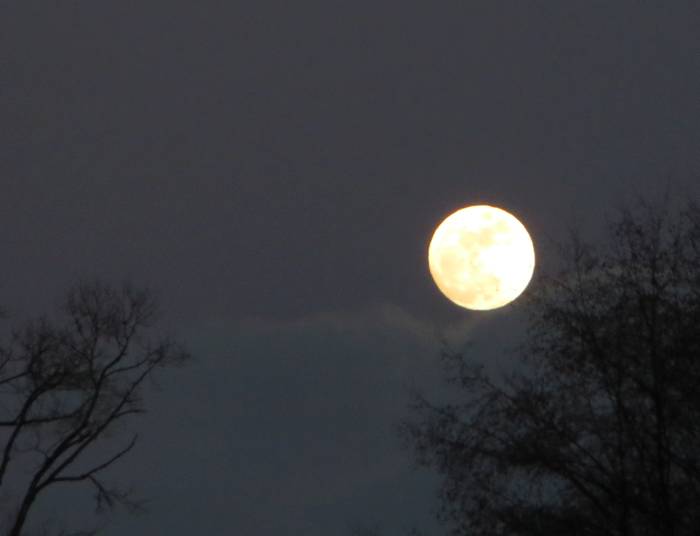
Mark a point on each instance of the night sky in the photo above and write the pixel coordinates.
(275, 171)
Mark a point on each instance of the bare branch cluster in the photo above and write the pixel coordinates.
(66, 386)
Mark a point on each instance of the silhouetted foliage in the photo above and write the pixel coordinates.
(67, 385)
(597, 432)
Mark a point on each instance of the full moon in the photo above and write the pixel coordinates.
(481, 257)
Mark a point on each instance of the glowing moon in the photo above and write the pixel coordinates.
(481, 257)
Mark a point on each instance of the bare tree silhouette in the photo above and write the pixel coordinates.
(66, 387)
(597, 432)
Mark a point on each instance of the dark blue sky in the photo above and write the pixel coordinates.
(275, 170)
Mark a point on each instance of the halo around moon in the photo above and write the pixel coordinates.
(481, 257)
